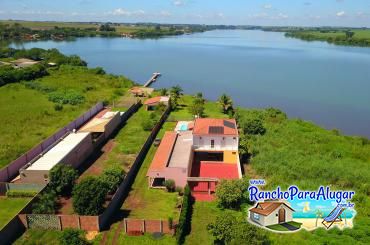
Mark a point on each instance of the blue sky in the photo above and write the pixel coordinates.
(244, 12)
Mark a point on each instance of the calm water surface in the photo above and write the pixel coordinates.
(323, 83)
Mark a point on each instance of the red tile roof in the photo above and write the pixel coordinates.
(164, 151)
(218, 170)
(266, 208)
(156, 100)
(211, 126)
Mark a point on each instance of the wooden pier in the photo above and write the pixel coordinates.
(152, 79)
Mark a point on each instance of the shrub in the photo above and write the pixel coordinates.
(67, 97)
(89, 196)
(71, 236)
(149, 123)
(46, 203)
(58, 107)
(170, 185)
(183, 228)
(253, 126)
(170, 222)
(98, 70)
(113, 177)
(21, 193)
(179, 190)
(62, 178)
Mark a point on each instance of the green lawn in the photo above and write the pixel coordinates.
(9, 207)
(19, 104)
(144, 202)
(39, 237)
(147, 239)
(277, 227)
(182, 113)
(203, 214)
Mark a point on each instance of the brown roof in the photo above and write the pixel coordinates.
(164, 151)
(266, 208)
(156, 100)
(211, 126)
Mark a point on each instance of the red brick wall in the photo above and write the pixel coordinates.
(151, 226)
(69, 221)
(89, 223)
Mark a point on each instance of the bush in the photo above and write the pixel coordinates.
(179, 190)
(46, 203)
(253, 126)
(231, 193)
(113, 177)
(98, 70)
(71, 236)
(170, 185)
(67, 97)
(183, 228)
(228, 229)
(62, 178)
(21, 193)
(58, 107)
(89, 196)
(149, 123)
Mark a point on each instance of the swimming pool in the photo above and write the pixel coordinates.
(183, 127)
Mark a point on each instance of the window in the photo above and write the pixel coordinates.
(212, 143)
(256, 216)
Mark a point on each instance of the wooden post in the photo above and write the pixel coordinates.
(125, 225)
(60, 222)
(161, 226)
(143, 225)
(79, 222)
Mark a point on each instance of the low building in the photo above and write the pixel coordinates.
(73, 149)
(152, 103)
(271, 213)
(141, 91)
(199, 154)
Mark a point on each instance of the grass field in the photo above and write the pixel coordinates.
(151, 203)
(9, 207)
(19, 104)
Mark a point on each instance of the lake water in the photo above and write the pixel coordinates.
(316, 81)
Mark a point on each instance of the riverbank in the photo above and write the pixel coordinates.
(61, 31)
(359, 38)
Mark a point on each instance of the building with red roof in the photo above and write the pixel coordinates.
(152, 103)
(199, 153)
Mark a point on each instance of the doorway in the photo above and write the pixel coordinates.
(281, 215)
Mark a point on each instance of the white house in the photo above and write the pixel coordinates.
(211, 134)
(271, 213)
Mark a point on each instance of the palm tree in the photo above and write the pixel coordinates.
(163, 91)
(225, 102)
(319, 214)
(176, 91)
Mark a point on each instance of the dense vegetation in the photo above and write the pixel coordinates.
(338, 37)
(12, 30)
(31, 102)
(183, 227)
(11, 74)
(296, 152)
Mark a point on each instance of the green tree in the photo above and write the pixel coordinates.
(71, 236)
(62, 178)
(89, 196)
(46, 203)
(231, 193)
(113, 177)
(349, 34)
(197, 106)
(223, 226)
(175, 93)
(226, 103)
(253, 126)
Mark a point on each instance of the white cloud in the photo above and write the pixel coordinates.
(124, 12)
(267, 6)
(341, 14)
(178, 3)
(282, 16)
